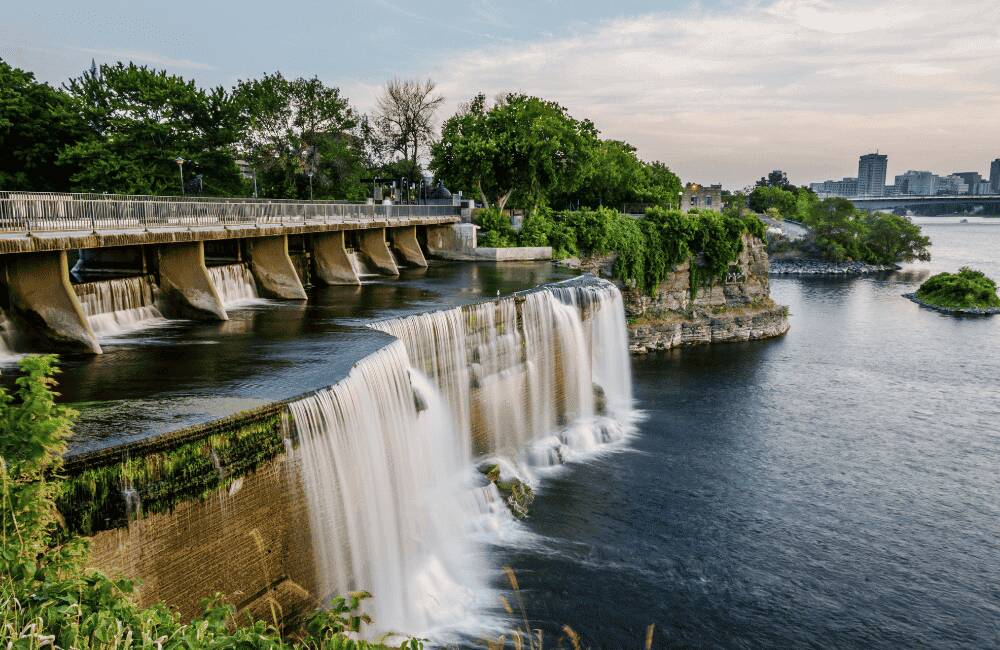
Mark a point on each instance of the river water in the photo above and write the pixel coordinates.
(837, 487)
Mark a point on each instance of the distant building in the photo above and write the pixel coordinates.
(702, 197)
(846, 187)
(916, 183)
(995, 176)
(971, 180)
(981, 188)
(871, 174)
(246, 170)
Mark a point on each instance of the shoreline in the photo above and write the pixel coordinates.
(954, 311)
(823, 267)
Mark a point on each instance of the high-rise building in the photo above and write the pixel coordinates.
(871, 174)
(995, 176)
(971, 180)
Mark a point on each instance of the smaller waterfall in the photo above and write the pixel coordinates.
(120, 305)
(235, 285)
(7, 354)
(360, 266)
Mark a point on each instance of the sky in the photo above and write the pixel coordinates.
(721, 91)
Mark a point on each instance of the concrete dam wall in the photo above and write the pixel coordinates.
(374, 482)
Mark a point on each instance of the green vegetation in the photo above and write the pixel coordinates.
(92, 499)
(967, 289)
(48, 598)
(840, 233)
(646, 249)
(530, 153)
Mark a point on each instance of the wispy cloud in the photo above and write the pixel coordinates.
(727, 94)
(151, 58)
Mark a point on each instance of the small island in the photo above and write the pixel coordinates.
(966, 292)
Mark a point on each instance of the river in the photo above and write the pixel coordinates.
(837, 487)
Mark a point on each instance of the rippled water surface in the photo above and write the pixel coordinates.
(837, 487)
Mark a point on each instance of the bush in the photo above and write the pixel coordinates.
(967, 289)
(840, 232)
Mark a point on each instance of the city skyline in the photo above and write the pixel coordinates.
(806, 85)
(872, 180)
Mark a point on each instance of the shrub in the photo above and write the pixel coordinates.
(963, 290)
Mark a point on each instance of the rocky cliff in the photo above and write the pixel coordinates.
(735, 308)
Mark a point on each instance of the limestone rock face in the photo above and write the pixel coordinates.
(735, 308)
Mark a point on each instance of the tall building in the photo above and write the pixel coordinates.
(871, 174)
(995, 176)
(971, 180)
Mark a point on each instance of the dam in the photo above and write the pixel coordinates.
(281, 449)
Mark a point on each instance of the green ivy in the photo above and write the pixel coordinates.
(93, 496)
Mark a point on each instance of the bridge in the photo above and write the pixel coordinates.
(911, 202)
(175, 240)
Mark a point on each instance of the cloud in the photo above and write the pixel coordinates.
(806, 85)
(151, 58)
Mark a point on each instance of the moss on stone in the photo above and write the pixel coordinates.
(94, 494)
(517, 494)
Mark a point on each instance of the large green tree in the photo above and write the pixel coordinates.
(36, 123)
(294, 128)
(523, 147)
(139, 120)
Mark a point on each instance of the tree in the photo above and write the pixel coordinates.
(294, 128)
(140, 120)
(405, 116)
(36, 123)
(892, 238)
(776, 178)
(522, 147)
(764, 197)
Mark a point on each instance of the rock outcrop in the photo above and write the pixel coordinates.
(735, 308)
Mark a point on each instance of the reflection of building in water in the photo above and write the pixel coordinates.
(706, 197)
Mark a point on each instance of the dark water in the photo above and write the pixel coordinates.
(837, 487)
(164, 378)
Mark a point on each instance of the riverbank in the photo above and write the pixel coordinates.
(824, 267)
(959, 311)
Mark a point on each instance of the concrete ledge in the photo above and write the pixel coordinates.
(273, 268)
(518, 254)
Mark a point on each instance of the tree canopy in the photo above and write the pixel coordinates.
(532, 152)
(138, 121)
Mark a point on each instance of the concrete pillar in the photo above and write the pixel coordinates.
(374, 247)
(404, 240)
(188, 290)
(455, 241)
(333, 265)
(42, 298)
(273, 268)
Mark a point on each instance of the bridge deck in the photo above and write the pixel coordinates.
(33, 222)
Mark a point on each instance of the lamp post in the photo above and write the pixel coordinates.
(680, 196)
(180, 165)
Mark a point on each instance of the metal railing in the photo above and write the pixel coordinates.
(28, 212)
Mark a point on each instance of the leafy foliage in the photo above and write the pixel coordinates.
(967, 289)
(140, 120)
(646, 249)
(531, 152)
(48, 598)
(841, 232)
(36, 123)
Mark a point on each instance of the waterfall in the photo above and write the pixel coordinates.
(7, 354)
(235, 284)
(388, 454)
(385, 484)
(120, 305)
(360, 265)
(533, 378)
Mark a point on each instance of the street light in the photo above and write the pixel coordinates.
(680, 196)
(180, 165)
